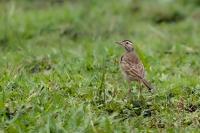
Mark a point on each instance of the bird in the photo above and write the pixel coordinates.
(132, 67)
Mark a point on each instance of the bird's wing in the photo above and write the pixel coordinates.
(133, 67)
(133, 70)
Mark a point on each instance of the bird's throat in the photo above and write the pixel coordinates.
(129, 49)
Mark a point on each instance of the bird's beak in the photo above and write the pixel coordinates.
(118, 43)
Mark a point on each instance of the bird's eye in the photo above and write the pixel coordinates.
(126, 42)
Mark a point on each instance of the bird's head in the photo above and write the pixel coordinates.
(128, 45)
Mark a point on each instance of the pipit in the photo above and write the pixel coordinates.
(132, 67)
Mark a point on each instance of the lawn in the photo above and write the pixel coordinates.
(59, 66)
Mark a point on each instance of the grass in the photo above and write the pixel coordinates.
(59, 67)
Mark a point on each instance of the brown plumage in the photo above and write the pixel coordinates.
(131, 65)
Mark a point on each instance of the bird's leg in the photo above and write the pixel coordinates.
(129, 95)
(129, 87)
(140, 90)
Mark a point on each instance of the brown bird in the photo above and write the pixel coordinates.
(132, 67)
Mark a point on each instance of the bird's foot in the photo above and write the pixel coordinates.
(140, 97)
(130, 94)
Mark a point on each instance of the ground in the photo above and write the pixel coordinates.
(60, 70)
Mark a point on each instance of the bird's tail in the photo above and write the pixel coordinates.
(148, 85)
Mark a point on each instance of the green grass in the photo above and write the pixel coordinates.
(59, 67)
